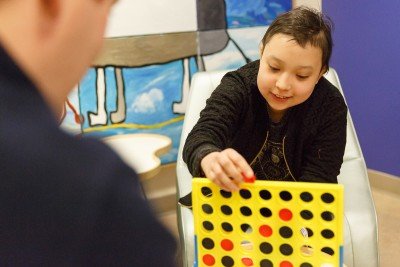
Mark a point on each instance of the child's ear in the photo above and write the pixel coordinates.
(323, 71)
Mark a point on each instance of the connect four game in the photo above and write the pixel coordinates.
(267, 224)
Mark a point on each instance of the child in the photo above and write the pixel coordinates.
(276, 118)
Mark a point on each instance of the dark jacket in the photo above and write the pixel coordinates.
(66, 201)
(236, 117)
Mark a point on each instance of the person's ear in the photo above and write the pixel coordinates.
(49, 12)
(322, 72)
(50, 8)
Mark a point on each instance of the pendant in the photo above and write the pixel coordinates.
(275, 158)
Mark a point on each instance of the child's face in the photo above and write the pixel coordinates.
(288, 73)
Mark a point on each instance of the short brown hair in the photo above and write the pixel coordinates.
(306, 26)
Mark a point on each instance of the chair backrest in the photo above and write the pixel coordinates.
(361, 245)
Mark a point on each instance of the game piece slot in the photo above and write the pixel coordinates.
(266, 248)
(306, 196)
(246, 228)
(226, 210)
(285, 195)
(286, 249)
(207, 209)
(285, 264)
(208, 243)
(245, 211)
(285, 232)
(227, 261)
(226, 227)
(206, 191)
(266, 263)
(328, 234)
(285, 215)
(265, 212)
(247, 262)
(265, 230)
(327, 216)
(227, 245)
(246, 245)
(208, 260)
(327, 198)
(306, 214)
(327, 251)
(307, 250)
(265, 195)
(310, 232)
(245, 194)
(208, 226)
(225, 194)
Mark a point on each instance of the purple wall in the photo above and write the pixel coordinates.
(366, 56)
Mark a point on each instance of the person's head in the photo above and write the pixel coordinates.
(53, 41)
(295, 53)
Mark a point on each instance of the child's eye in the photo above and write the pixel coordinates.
(301, 77)
(273, 68)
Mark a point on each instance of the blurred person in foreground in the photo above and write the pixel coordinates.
(63, 201)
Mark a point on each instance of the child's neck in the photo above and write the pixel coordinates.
(275, 116)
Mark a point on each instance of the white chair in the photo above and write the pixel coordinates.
(360, 233)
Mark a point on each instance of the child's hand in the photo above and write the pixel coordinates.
(226, 169)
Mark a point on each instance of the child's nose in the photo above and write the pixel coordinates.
(283, 82)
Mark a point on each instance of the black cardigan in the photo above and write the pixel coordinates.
(236, 117)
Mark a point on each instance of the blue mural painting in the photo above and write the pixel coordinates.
(251, 13)
(152, 93)
(246, 23)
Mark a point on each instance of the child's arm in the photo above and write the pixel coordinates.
(218, 122)
(323, 159)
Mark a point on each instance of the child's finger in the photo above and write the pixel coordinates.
(229, 168)
(224, 184)
(219, 184)
(219, 177)
(241, 163)
(228, 183)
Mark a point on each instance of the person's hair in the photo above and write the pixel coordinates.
(305, 26)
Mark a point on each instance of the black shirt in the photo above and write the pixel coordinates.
(270, 163)
(66, 201)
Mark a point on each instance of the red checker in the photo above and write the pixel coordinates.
(285, 214)
(227, 245)
(247, 262)
(285, 264)
(251, 179)
(265, 230)
(208, 260)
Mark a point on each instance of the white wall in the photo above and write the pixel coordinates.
(310, 3)
(130, 18)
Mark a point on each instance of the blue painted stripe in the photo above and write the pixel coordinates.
(341, 253)
(195, 263)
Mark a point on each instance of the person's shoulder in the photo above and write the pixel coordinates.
(327, 92)
(250, 67)
(43, 151)
(95, 157)
(330, 89)
(245, 76)
(249, 71)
